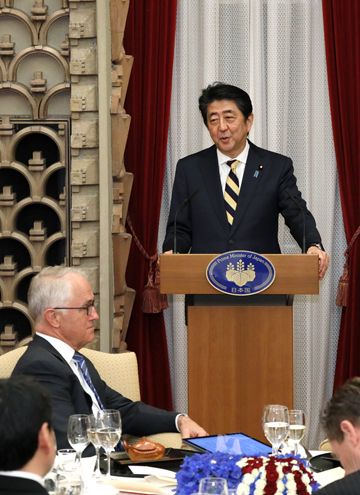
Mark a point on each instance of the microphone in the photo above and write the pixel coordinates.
(180, 208)
(301, 208)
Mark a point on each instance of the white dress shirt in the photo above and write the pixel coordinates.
(24, 474)
(224, 168)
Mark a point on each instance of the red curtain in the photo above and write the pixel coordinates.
(342, 42)
(150, 38)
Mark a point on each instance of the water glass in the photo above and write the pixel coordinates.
(69, 485)
(108, 432)
(94, 425)
(275, 425)
(77, 433)
(296, 428)
(65, 460)
(213, 485)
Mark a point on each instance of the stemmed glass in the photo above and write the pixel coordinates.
(296, 428)
(108, 432)
(77, 434)
(94, 425)
(213, 485)
(275, 425)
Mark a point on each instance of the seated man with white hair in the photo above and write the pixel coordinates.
(61, 302)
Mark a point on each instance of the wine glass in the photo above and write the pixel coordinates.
(108, 432)
(296, 428)
(77, 434)
(275, 425)
(94, 425)
(213, 485)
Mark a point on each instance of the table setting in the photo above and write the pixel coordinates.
(285, 467)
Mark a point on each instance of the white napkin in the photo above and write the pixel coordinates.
(164, 473)
(134, 485)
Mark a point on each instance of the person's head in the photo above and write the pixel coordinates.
(227, 113)
(341, 421)
(27, 440)
(61, 301)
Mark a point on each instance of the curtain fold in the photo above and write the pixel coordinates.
(150, 38)
(342, 42)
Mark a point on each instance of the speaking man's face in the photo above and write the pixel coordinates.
(228, 127)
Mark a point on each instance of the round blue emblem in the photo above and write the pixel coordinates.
(240, 273)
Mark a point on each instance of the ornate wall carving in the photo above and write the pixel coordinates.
(50, 168)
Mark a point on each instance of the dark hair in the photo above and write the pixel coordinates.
(222, 91)
(24, 408)
(344, 405)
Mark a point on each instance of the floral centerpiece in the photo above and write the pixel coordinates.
(251, 475)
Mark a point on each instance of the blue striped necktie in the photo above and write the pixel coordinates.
(82, 367)
(232, 190)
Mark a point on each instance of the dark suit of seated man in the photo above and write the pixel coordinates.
(341, 420)
(61, 302)
(27, 440)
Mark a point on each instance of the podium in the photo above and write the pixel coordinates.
(240, 349)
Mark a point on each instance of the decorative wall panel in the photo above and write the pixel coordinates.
(50, 168)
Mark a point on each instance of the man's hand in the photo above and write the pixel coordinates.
(168, 252)
(324, 259)
(188, 428)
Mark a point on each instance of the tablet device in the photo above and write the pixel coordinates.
(230, 443)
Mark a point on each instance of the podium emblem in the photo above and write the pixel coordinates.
(240, 273)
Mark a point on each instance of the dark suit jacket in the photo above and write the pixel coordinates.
(350, 485)
(268, 188)
(43, 362)
(10, 485)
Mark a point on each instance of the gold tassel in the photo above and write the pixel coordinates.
(152, 301)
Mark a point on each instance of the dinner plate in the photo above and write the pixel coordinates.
(323, 462)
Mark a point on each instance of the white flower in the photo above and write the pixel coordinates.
(305, 478)
(247, 479)
(290, 483)
(280, 486)
(260, 484)
(243, 489)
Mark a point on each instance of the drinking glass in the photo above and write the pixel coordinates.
(77, 433)
(296, 428)
(108, 432)
(275, 425)
(213, 485)
(65, 460)
(69, 486)
(94, 425)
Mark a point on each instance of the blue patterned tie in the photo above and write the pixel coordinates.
(80, 361)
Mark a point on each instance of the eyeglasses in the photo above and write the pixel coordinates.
(89, 307)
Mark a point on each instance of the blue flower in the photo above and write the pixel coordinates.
(203, 465)
(219, 464)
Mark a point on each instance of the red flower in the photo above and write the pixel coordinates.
(270, 489)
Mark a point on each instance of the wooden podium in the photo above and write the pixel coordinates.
(240, 349)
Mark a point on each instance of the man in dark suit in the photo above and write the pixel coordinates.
(341, 421)
(27, 440)
(61, 302)
(264, 186)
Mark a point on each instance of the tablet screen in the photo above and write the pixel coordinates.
(231, 443)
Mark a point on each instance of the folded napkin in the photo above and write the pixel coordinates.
(134, 485)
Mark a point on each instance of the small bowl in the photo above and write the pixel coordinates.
(144, 450)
